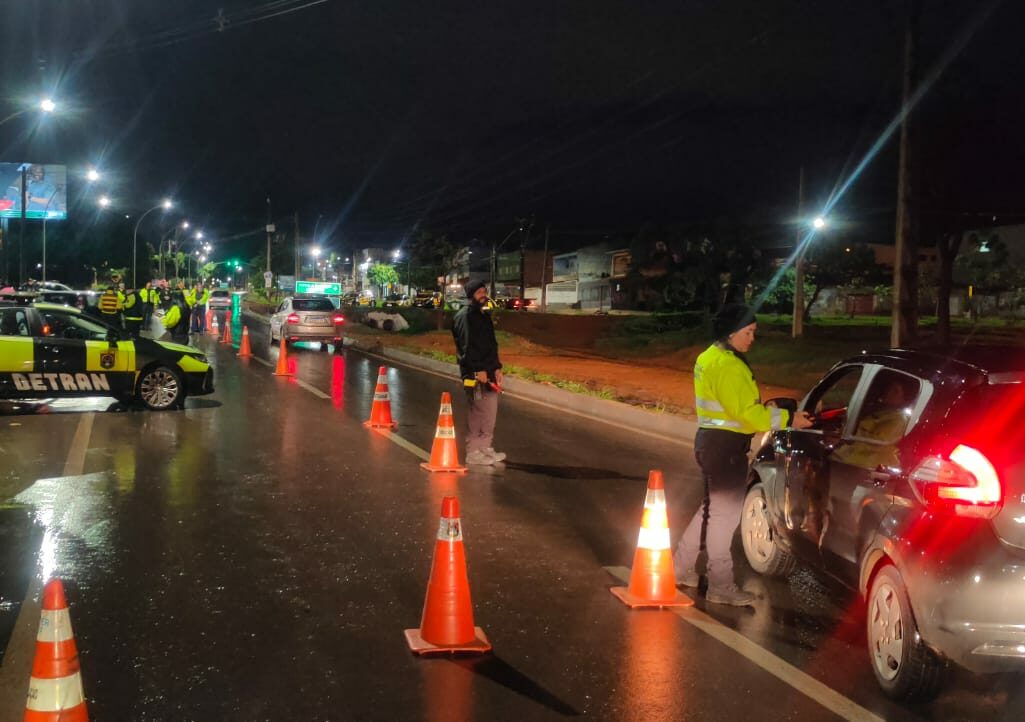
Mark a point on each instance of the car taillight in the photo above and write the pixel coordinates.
(965, 483)
(339, 318)
(292, 318)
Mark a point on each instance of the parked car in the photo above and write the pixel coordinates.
(307, 318)
(395, 301)
(75, 299)
(520, 304)
(427, 299)
(910, 488)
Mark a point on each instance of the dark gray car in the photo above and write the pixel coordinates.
(910, 488)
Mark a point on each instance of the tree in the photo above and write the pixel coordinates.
(382, 275)
(831, 263)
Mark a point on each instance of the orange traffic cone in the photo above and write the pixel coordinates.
(55, 690)
(282, 369)
(244, 350)
(652, 581)
(209, 318)
(213, 328)
(380, 412)
(226, 339)
(444, 452)
(447, 622)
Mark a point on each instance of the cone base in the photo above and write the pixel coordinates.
(244, 355)
(635, 602)
(430, 467)
(420, 646)
(373, 425)
(283, 373)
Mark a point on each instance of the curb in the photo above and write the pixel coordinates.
(664, 427)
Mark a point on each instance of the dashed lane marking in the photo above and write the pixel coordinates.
(407, 445)
(313, 389)
(75, 462)
(782, 670)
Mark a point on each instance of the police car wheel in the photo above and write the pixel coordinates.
(160, 388)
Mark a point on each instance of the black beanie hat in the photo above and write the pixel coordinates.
(731, 318)
(472, 286)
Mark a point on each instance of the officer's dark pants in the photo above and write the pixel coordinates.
(480, 422)
(133, 326)
(114, 319)
(722, 456)
(199, 319)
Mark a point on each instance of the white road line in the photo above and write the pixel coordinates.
(75, 462)
(407, 445)
(313, 389)
(560, 409)
(17, 666)
(784, 671)
(268, 364)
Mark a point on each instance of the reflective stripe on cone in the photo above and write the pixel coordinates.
(444, 451)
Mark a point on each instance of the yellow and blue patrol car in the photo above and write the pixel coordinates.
(49, 351)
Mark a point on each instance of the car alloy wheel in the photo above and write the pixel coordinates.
(763, 552)
(904, 666)
(160, 388)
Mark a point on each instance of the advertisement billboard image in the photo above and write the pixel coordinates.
(46, 190)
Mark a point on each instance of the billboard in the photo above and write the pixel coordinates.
(46, 190)
(327, 289)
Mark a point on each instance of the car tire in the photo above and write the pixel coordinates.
(762, 549)
(160, 388)
(904, 666)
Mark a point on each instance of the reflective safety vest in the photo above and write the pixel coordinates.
(133, 306)
(109, 302)
(173, 317)
(726, 395)
(201, 299)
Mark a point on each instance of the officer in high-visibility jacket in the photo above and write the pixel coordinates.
(200, 297)
(150, 298)
(110, 303)
(133, 311)
(729, 414)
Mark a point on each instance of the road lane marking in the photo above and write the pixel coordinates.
(312, 389)
(268, 364)
(784, 671)
(560, 409)
(75, 462)
(17, 666)
(407, 445)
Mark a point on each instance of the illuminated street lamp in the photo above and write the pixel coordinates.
(47, 105)
(167, 204)
(92, 175)
(819, 223)
(103, 202)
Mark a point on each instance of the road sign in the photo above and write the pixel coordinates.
(286, 283)
(268, 278)
(325, 289)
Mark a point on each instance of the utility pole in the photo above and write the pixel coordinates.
(544, 272)
(298, 252)
(523, 260)
(797, 326)
(904, 328)
(21, 226)
(270, 230)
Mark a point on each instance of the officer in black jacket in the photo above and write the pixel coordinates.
(477, 354)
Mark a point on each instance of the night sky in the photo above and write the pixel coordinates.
(386, 116)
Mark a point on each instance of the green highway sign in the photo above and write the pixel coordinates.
(325, 289)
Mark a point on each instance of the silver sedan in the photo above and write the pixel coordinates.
(307, 318)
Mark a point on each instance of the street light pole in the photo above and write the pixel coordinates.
(46, 212)
(166, 205)
(797, 325)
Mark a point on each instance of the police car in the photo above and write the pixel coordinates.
(49, 351)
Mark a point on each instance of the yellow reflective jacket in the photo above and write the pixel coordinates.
(172, 317)
(726, 395)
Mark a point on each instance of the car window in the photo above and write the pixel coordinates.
(830, 400)
(13, 322)
(886, 410)
(219, 294)
(312, 304)
(72, 325)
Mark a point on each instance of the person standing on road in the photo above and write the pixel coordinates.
(729, 414)
(110, 304)
(149, 298)
(481, 371)
(200, 297)
(133, 312)
(176, 319)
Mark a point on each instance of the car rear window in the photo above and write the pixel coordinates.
(312, 304)
(219, 294)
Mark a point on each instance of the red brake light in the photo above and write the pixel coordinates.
(966, 483)
(292, 318)
(339, 318)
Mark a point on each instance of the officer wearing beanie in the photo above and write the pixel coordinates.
(477, 354)
(729, 412)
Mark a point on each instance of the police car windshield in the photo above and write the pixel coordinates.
(312, 304)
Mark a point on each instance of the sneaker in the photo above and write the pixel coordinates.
(730, 595)
(479, 458)
(690, 579)
(496, 455)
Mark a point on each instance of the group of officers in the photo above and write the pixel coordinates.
(132, 309)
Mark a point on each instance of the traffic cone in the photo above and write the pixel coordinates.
(209, 318)
(282, 369)
(55, 690)
(380, 412)
(444, 452)
(226, 339)
(212, 328)
(652, 581)
(244, 350)
(447, 621)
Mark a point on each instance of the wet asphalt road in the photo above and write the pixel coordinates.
(258, 555)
